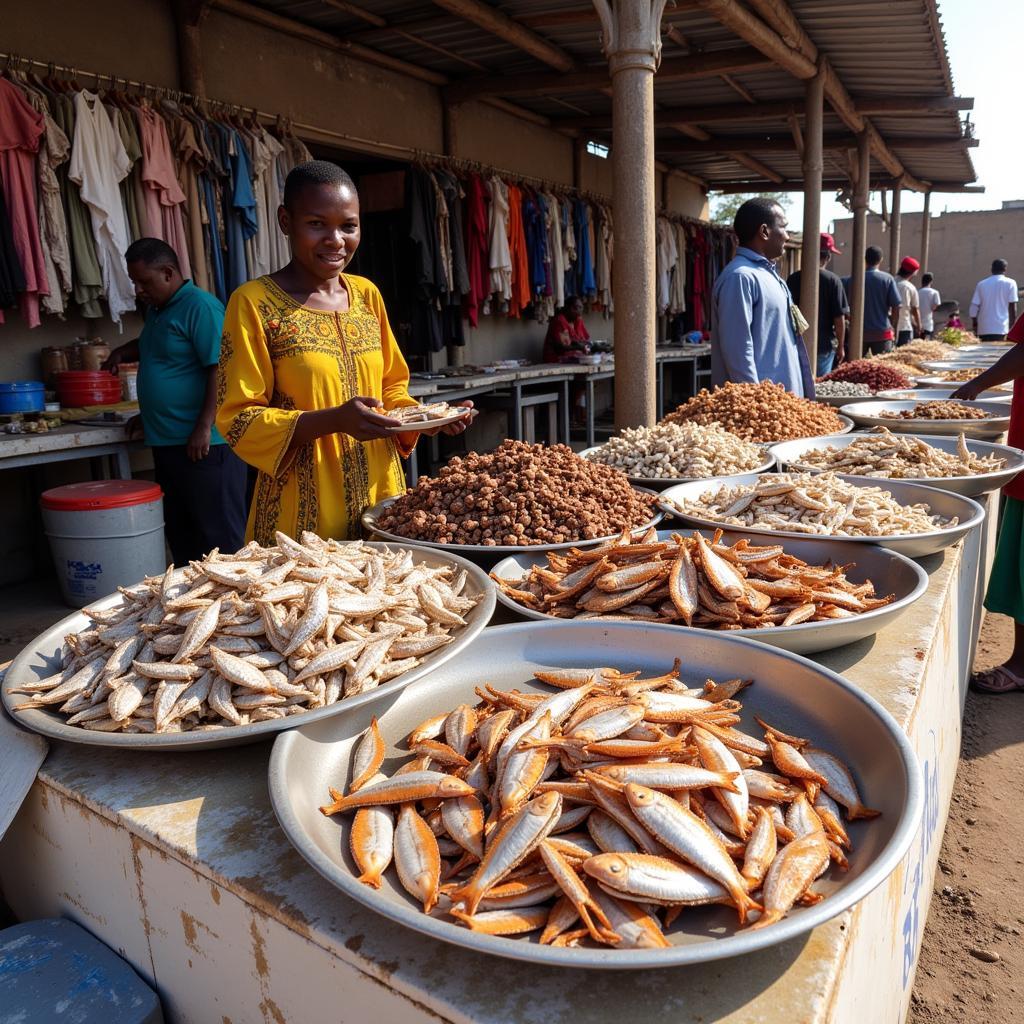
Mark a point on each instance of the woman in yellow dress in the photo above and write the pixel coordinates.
(308, 366)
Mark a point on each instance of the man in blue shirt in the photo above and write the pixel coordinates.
(753, 334)
(203, 481)
(881, 303)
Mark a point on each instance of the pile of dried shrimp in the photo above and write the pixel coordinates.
(815, 504)
(588, 813)
(694, 581)
(258, 635)
(900, 457)
(421, 414)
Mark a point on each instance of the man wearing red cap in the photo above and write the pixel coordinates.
(832, 307)
(908, 319)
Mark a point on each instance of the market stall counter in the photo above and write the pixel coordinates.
(67, 443)
(178, 863)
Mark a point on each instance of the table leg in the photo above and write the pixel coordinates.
(566, 409)
(123, 465)
(590, 412)
(660, 390)
(516, 426)
(414, 468)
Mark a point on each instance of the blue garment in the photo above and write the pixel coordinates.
(241, 213)
(212, 227)
(880, 295)
(826, 360)
(585, 280)
(536, 239)
(752, 332)
(179, 343)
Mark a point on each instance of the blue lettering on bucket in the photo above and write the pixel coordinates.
(83, 570)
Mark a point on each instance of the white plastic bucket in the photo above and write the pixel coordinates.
(104, 534)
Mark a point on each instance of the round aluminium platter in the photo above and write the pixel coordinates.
(41, 658)
(791, 692)
(838, 401)
(968, 512)
(869, 414)
(659, 483)
(940, 392)
(490, 554)
(890, 572)
(965, 362)
(788, 453)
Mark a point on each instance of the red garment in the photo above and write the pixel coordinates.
(1015, 436)
(698, 281)
(520, 260)
(477, 251)
(577, 331)
(21, 128)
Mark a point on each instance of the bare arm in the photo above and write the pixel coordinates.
(839, 323)
(357, 417)
(1013, 313)
(198, 446)
(1009, 367)
(126, 353)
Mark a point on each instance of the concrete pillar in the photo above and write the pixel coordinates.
(810, 249)
(926, 230)
(450, 129)
(855, 339)
(632, 43)
(894, 230)
(187, 17)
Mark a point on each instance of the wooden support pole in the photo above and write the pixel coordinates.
(188, 14)
(895, 230)
(811, 246)
(926, 230)
(855, 339)
(450, 128)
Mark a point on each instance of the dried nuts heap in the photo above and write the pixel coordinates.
(758, 412)
(678, 450)
(938, 411)
(518, 495)
(875, 374)
(827, 388)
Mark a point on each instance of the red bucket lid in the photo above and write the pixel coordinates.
(100, 494)
(84, 376)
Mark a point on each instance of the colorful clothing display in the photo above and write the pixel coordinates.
(278, 359)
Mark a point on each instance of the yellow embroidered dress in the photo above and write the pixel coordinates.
(279, 359)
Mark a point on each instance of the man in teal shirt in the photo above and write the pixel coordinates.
(203, 481)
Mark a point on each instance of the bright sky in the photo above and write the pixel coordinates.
(983, 41)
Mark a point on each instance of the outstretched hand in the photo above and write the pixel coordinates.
(359, 419)
(458, 427)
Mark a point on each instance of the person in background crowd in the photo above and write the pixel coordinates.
(954, 319)
(930, 300)
(832, 308)
(1005, 594)
(309, 367)
(754, 334)
(881, 303)
(994, 305)
(567, 335)
(908, 320)
(177, 352)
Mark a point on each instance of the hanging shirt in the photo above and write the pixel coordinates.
(517, 248)
(278, 359)
(164, 197)
(556, 250)
(273, 189)
(586, 285)
(21, 132)
(179, 342)
(677, 286)
(666, 257)
(477, 266)
(753, 335)
(12, 280)
(500, 254)
(241, 210)
(98, 164)
(191, 162)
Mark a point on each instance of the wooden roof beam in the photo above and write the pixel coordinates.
(490, 19)
(703, 65)
(789, 185)
(702, 142)
(756, 166)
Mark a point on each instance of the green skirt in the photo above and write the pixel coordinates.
(1005, 595)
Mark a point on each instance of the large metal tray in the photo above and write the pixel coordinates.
(838, 401)
(789, 452)
(940, 391)
(914, 545)
(487, 556)
(41, 658)
(660, 483)
(891, 573)
(791, 692)
(961, 362)
(869, 414)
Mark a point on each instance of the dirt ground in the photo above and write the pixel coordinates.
(972, 961)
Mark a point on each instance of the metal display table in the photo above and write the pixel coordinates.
(67, 443)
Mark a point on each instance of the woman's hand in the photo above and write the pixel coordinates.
(967, 392)
(358, 418)
(458, 427)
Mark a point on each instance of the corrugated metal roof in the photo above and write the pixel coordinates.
(878, 48)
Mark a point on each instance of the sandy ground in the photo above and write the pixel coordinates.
(972, 961)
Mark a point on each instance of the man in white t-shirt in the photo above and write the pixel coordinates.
(930, 299)
(994, 306)
(908, 319)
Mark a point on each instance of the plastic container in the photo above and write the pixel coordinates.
(77, 388)
(104, 534)
(22, 396)
(94, 355)
(129, 375)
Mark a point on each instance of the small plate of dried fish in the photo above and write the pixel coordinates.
(797, 595)
(948, 463)
(941, 391)
(910, 518)
(434, 414)
(233, 648)
(531, 806)
(980, 420)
